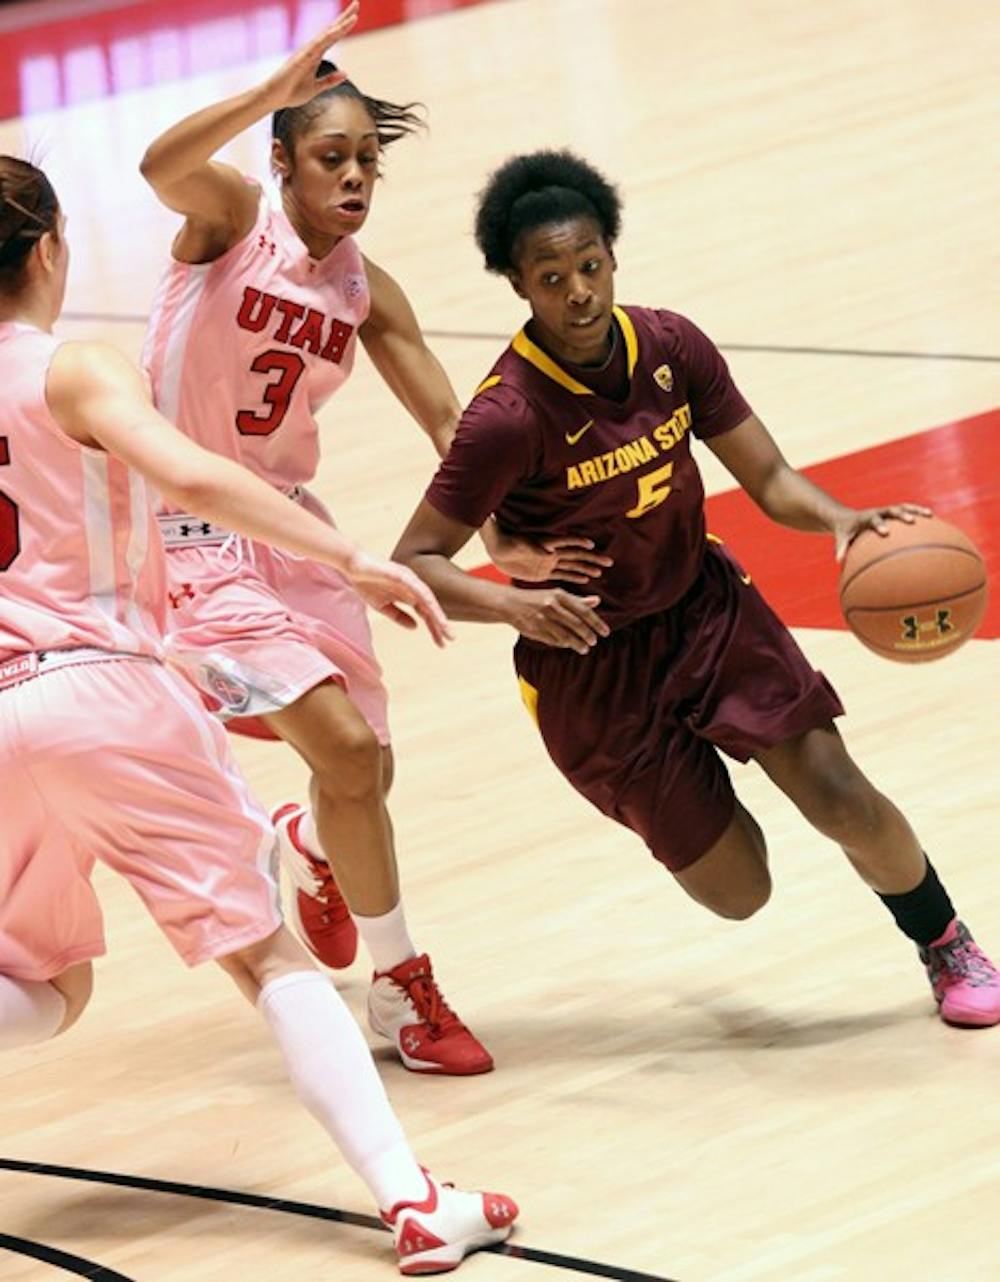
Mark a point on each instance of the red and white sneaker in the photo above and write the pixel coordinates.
(405, 1005)
(320, 915)
(966, 984)
(435, 1235)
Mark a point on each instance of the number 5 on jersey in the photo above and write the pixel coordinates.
(653, 489)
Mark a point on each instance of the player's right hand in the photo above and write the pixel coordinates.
(387, 587)
(557, 618)
(846, 530)
(295, 81)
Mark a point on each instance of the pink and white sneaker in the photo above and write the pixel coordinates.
(966, 984)
(435, 1235)
(319, 912)
(405, 1006)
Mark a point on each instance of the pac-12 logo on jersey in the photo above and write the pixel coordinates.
(354, 286)
(663, 377)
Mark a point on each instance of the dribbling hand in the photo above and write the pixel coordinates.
(295, 81)
(874, 518)
(557, 618)
(388, 587)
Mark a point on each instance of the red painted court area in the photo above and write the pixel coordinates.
(52, 61)
(954, 469)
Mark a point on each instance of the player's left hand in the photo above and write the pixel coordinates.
(295, 82)
(387, 587)
(570, 560)
(847, 530)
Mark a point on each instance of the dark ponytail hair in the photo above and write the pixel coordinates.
(28, 209)
(392, 120)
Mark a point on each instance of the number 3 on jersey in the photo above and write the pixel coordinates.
(10, 518)
(653, 489)
(277, 394)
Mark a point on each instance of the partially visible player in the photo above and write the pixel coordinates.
(254, 327)
(105, 754)
(583, 429)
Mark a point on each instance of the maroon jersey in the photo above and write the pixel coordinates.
(551, 456)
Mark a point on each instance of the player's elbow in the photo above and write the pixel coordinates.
(148, 164)
(416, 558)
(153, 167)
(405, 552)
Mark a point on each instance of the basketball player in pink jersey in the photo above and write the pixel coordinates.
(106, 754)
(583, 427)
(254, 327)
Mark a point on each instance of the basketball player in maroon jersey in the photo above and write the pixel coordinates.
(583, 428)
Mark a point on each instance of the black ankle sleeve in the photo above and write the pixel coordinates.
(924, 913)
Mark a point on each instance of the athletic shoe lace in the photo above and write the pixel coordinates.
(308, 874)
(431, 1006)
(966, 962)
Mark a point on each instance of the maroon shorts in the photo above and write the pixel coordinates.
(636, 725)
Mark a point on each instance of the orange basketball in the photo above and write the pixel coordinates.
(915, 594)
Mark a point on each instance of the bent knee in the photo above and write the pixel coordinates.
(351, 767)
(738, 903)
(731, 878)
(732, 883)
(75, 986)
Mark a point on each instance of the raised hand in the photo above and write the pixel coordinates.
(874, 518)
(295, 81)
(388, 587)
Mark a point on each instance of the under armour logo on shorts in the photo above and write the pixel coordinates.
(184, 593)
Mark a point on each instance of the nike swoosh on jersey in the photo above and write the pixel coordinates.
(573, 437)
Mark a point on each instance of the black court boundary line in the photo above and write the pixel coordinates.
(568, 1263)
(779, 349)
(74, 1264)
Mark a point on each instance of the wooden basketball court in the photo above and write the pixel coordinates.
(676, 1097)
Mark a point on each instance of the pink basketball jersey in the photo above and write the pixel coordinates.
(243, 351)
(81, 559)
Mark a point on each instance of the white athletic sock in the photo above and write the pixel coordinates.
(334, 1076)
(30, 1012)
(308, 834)
(387, 938)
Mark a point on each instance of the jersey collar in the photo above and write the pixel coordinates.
(534, 355)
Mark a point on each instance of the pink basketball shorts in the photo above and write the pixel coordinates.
(116, 760)
(254, 629)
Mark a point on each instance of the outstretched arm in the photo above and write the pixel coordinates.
(99, 399)
(751, 454)
(218, 205)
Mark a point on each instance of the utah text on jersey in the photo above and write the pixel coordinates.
(313, 331)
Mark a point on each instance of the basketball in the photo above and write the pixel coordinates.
(915, 594)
